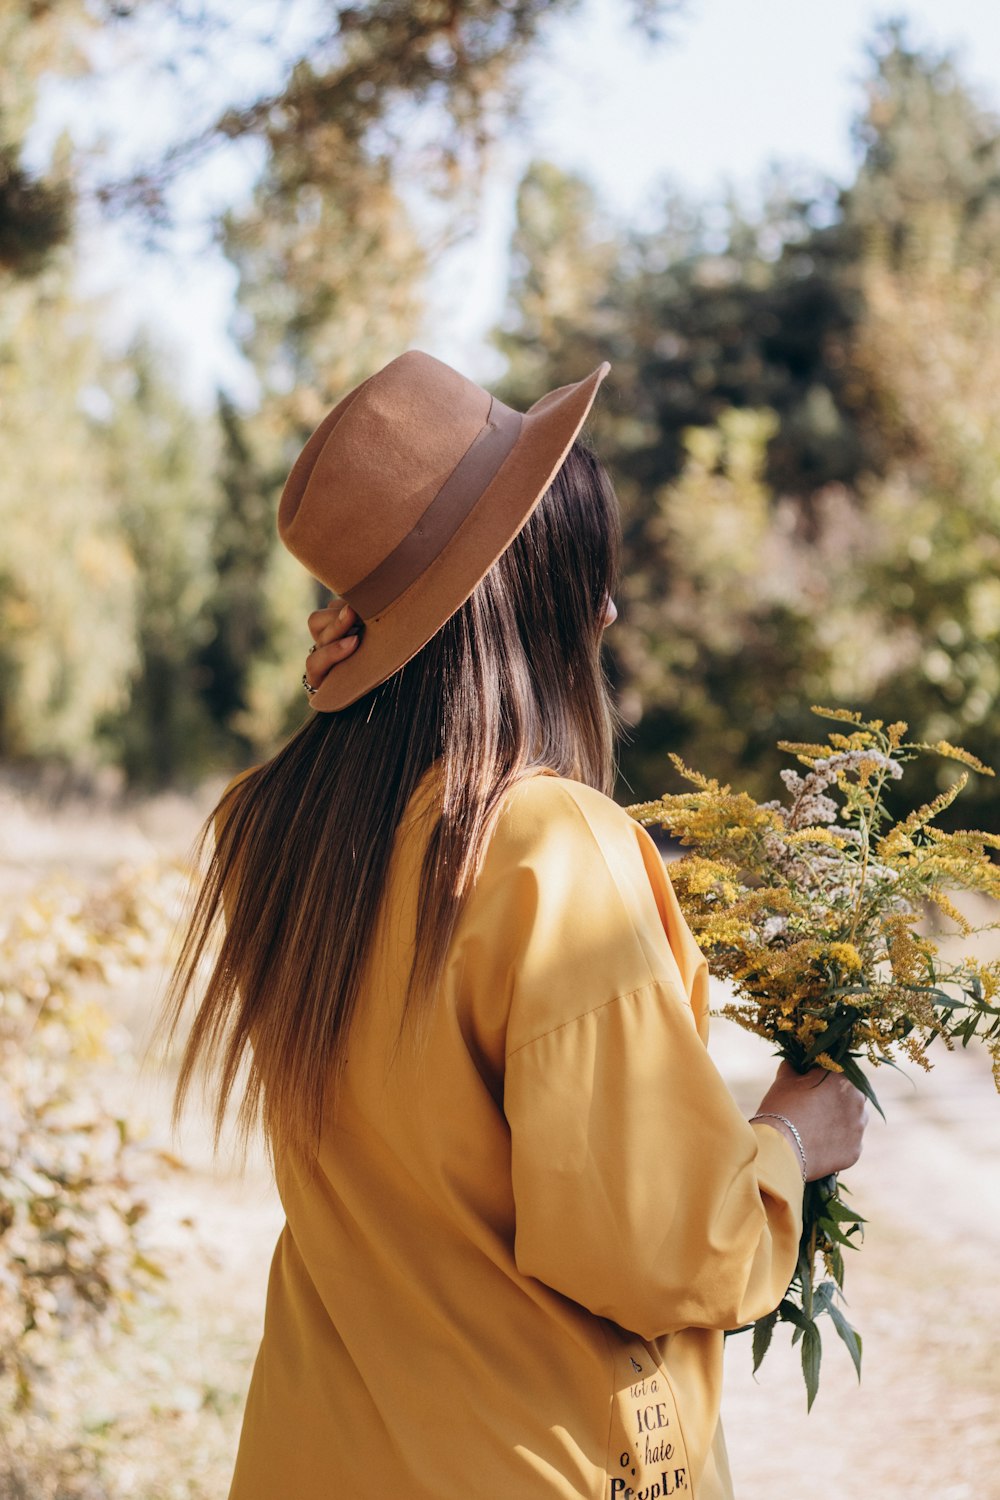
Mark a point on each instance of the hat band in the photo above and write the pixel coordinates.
(442, 518)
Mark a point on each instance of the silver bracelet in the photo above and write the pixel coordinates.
(798, 1139)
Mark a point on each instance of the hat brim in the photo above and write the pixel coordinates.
(390, 639)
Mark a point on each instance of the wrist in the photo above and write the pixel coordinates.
(784, 1125)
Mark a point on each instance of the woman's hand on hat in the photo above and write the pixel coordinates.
(335, 630)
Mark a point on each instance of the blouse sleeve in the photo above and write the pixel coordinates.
(640, 1190)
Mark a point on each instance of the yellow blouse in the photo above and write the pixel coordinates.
(507, 1275)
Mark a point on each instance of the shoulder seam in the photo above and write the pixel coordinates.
(640, 989)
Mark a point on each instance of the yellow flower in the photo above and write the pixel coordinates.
(816, 834)
(844, 715)
(956, 752)
(949, 909)
(846, 956)
(809, 1028)
(908, 954)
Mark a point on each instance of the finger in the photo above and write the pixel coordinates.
(319, 662)
(329, 623)
(345, 622)
(321, 618)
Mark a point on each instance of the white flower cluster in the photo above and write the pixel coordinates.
(827, 870)
(848, 760)
(831, 873)
(809, 804)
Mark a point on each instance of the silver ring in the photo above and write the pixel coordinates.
(308, 685)
(312, 649)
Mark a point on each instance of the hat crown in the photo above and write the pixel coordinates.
(408, 492)
(373, 467)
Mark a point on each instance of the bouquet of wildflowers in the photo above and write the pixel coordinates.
(809, 908)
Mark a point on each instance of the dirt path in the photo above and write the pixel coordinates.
(924, 1294)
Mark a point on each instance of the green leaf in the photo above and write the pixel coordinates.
(835, 1233)
(823, 1296)
(854, 1074)
(828, 1186)
(763, 1332)
(805, 1270)
(812, 1348)
(789, 1313)
(947, 1002)
(836, 1264)
(835, 1030)
(848, 1334)
(837, 1209)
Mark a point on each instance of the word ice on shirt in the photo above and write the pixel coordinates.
(650, 1422)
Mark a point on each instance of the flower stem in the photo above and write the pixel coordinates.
(865, 831)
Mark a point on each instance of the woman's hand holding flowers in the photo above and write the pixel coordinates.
(826, 1109)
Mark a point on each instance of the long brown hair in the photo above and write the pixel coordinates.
(302, 844)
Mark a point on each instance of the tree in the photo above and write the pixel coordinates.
(929, 149)
(813, 385)
(329, 270)
(35, 209)
(67, 579)
(423, 87)
(159, 460)
(562, 260)
(241, 546)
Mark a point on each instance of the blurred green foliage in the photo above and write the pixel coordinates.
(802, 420)
(802, 416)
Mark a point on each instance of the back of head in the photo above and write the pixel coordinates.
(513, 680)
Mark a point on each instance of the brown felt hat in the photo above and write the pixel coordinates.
(408, 492)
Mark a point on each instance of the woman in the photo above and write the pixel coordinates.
(521, 1205)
